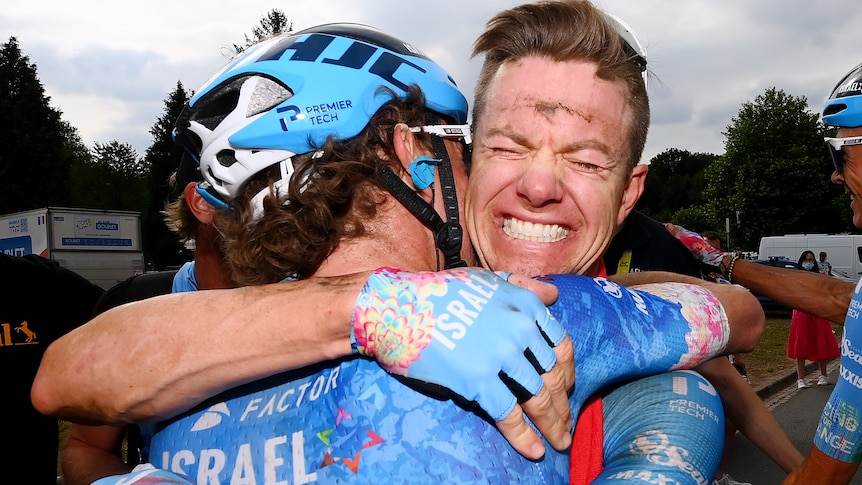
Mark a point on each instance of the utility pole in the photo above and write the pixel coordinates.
(727, 230)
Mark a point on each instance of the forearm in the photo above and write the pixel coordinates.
(92, 453)
(810, 292)
(744, 313)
(744, 408)
(155, 358)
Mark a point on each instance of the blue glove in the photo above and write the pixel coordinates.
(466, 330)
(145, 474)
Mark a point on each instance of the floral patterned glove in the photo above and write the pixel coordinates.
(466, 330)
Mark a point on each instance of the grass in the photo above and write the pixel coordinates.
(768, 361)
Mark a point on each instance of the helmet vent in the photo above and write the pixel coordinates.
(267, 93)
(834, 108)
(226, 158)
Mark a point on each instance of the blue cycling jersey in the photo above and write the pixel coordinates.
(349, 421)
(839, 433)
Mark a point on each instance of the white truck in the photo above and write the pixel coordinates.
(844, 251)
(100, 245)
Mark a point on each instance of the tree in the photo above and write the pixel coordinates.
(161, 246)
(674, 180)
(774, 173)
(113, 178)
(34, 159)
(273, 23)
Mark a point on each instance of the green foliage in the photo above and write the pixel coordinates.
(773, 172)
(35, 161)
(675, 179)
(273, 23)
(161, 246)
(112, 178)
(697, 218)
(774, 177)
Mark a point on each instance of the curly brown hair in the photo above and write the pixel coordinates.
(343, 190)
(177, 214)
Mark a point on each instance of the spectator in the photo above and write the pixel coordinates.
(811, 337)
(39, 302)
(836, 451)
(825, 265)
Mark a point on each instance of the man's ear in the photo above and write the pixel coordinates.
(633, 191)
(203, 211)
(407, 148)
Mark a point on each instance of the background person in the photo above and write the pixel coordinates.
(811, 337)
(824, 264)
(836, 451)
(39, 302)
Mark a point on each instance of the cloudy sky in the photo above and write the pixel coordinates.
(109, 65)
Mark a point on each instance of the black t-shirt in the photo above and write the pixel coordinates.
(39, 302)
(643, 244)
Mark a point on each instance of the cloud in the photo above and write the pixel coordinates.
(109, 65)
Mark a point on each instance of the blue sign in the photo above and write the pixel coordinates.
(95, 241)
(16, 246)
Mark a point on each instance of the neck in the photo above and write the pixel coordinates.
(210, 272)
(394, 238)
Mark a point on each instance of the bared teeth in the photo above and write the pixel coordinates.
(534, 232)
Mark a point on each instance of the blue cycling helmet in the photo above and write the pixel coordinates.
(844, 107)
(286, 95)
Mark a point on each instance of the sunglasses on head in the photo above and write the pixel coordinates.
(835, 149)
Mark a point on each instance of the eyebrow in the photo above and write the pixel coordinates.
(572, 147)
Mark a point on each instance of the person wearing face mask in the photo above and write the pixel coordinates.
(811, 337)
(825, 265)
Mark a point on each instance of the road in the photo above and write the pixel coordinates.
(797, 410)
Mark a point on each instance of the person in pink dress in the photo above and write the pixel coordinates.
(811, 338)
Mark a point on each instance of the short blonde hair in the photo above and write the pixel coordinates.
(564, 30)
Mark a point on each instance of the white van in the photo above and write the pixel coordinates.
(844, 251)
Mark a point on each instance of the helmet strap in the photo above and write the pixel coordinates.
(209, 194)
(448, 235)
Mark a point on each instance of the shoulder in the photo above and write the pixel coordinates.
(652, 248)
(24, 274)
(138, 287)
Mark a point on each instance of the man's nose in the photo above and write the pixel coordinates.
(540, 181)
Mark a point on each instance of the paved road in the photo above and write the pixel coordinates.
(797, 410)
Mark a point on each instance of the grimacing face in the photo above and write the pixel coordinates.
(549, 182)
(851, 176)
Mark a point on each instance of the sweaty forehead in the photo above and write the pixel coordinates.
(530, 116)
(530, 108)
(551, 88)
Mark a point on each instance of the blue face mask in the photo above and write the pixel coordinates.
(807, 266)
